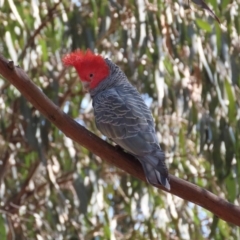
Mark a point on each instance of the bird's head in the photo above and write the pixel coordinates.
(91, 68)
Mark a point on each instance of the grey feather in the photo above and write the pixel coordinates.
(121, 115)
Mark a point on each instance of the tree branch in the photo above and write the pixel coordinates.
(181, 188)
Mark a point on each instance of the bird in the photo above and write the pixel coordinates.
(120, 112)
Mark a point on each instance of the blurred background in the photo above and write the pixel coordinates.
(187, 69)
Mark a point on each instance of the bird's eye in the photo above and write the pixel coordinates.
(90, 75)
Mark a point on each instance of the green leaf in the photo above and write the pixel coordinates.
(43, 45)
(204, 25)
(231, 102)
(231, 188)
(3, 234)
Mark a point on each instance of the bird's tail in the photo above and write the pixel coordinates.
(155, 169)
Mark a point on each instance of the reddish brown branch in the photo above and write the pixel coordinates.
(186, 190)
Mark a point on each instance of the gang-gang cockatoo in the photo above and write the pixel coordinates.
(120, 112)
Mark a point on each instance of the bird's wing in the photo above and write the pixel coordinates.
(122, 115)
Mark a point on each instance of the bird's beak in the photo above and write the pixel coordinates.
(86, 86)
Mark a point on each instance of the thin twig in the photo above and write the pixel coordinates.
(38, 30)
